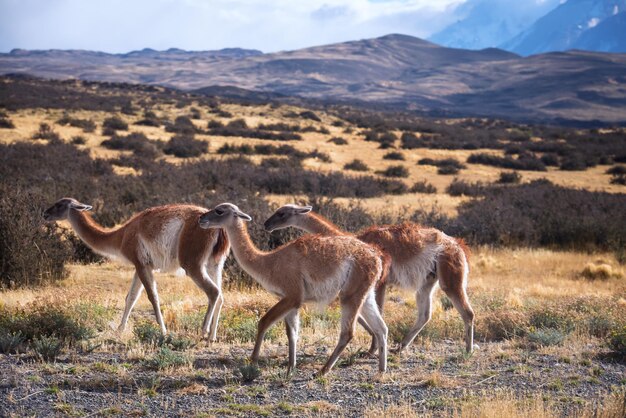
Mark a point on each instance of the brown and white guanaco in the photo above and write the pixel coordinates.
(164, 238)
(420, 258)
(309, 269)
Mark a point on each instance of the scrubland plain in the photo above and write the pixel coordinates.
(549, 291)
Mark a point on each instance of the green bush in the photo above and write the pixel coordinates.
(546, 337)
(617, 341)
(249, 372)
(239, 325)
(166, 358)
(47, 348)
(148, 333)
(10, 342)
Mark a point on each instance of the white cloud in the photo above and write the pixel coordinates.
(123, 25)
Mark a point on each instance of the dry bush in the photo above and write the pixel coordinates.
(115, 123)
(356, 165)
(523, 162)
(602, 271)
(45, 131)
(136, 142)
(6, 123)
(511, 177)
(87, 125)
(31, 251)
(183, 146)
(397, 171)
(423, 187)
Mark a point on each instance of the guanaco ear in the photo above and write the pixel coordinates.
(304, 209)
(80, 207)
(243, 216)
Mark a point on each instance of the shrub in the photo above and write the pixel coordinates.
(511, 177)
(356, 165)
(237, 124)
(45, 131)
(384, 138)
(599, 272)
(149, 119)
(148, 333)
(322, 156)
(617, 341)
(240, 325)
(87, 125)
(617, 170)
(394, 171)
(394, 155)
(410, 141)
(194, 113)
(128, 108)
(10, 342)
(445, 166)
(185, 147)
(462, 188)
(115, 123)
(542, 214)
(47, 348)
(546, 337)
(244, 149)
(619, 179)
(523, 162)
(31, 251)
(44, 320)
(307, 114)
(136, 142)
(276, 162)
(182, 125)
(6, 123)
(447, 170)
(166, 358)
(179, 342)
(337, 140)
(214, 124)
(575, 162)
(249, 372)
(423, 187)
(550, 159)
(78, 140)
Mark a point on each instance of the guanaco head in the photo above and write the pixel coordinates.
(223, 215)
(286, 216)
(61, 209)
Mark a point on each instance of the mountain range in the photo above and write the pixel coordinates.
(533, 27)
(393, 71)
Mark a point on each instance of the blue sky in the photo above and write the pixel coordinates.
(270, 25)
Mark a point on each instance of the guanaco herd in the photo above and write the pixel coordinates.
(315, 268)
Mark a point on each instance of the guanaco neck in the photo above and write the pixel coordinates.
(95, 236)
(316, 224)
(254, 261)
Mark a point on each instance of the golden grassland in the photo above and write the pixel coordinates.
(433, 378)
